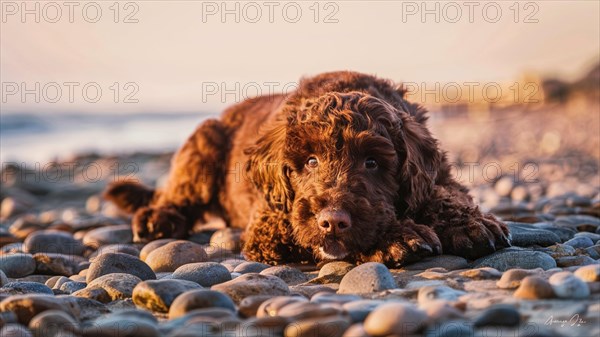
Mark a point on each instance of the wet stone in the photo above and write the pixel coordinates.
(119, 263)
(206, 274)
(51, 241)
(158, 295)
(367, 278)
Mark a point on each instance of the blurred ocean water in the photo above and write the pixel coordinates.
(36, 137)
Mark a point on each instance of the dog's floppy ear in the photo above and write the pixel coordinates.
(268, 169)
(420, 158)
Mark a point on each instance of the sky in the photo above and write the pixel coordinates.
(193, 56)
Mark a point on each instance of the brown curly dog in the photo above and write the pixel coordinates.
(344, 168)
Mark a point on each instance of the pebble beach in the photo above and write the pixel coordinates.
(68, 266)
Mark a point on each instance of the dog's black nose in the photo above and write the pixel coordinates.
(334, 221)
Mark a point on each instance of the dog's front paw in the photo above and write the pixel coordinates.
(152, 223)
(409, 243)
(479, 237)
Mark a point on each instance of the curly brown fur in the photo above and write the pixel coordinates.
(343, 168)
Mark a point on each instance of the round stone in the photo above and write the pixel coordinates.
(3, 278)
(21, 287)
(394, 318)
(252, 284)
(108, 235)
(57, 264)
(580, 242)
(14, 330)
(336, 268)
(434, 293)
(360, 309)
(567, 285)
(250, 267)
(52, 241)
(118, 286)
(54, 323)
(367, 278)
(17, 265)
(299, 310)
(448, 262)
(117, 248)
(271, 307)
(175, 254)
(198, 299)
(25, 307)
(118, 324)
(290, 275)
(334, 325)
(524, 235)
(512, 278)
(119, 263)
(534, 287)
(205, 274)
(248, 307)
(589, 273)
(158, 295)
(72, 286)
(152, 245)
(499, 315)
(514, 257)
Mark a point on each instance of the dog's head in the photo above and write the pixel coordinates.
(344, 166)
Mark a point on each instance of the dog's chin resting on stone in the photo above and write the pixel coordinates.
(343, 168)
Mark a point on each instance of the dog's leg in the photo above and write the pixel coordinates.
(196, 173)
(269, 239)
(461, 227)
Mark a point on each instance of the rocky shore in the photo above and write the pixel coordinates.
(69, 267)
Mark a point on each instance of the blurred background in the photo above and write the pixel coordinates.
(512, 86)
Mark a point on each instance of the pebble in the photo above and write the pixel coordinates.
(25, 307)
(96, 294)
(563, 233)
(367, 278)
(199, 299)
(52, 241)
(158, 295)
(303, 310)
(579, 260)
(230, 264)
(291, 276)
(358, 310)
(21, 287)
(448, 262)
(355, 330)
(580, 242)
(594, 251)
(272, 306)
(14, 330)
(582, 223)
(169, 257)
(434, 293)
(252, 284)
(511, 279)
(3, 278)
(593, 236)
(72, 286)
(118, 324)
(227, 238)
(117, 248)
(152, 245)
(205, 274)
(498, 315)
(108, 235)
(524, 235)
(515, 257)
(534, 287)
(567, 285)
(337, 268)
(327, 297)
(395, 318)
(589, 273)
(119, 263)
(118, 286)
(485, 273)
(54, 323)
(17, 265)
(333, 326)
(248, 307)
(250, 267)
(57, 264)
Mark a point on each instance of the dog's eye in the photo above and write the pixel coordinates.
(371, 164)
(312, 162)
